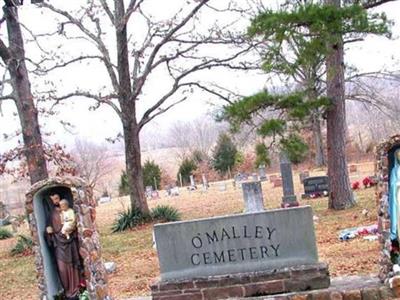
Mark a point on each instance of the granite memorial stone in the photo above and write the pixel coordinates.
(148, 191)
(205, 181)
(253, 196)
(262, 173)
(316, 186)
(192, 183)
(254, 176)
(289, 198)
(222, 187)
(236, 244)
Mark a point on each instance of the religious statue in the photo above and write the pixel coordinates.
(394, 197)
(68, 219)
(61, 235)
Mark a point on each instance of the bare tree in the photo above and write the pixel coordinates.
(197, 135)
(375, 110)
(131, 57)
(93, 162)
(14, 60)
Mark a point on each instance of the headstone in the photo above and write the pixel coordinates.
(289, 198)
(236, 244)
(222, 186)
(254, 176)
(252, 196)
(154, 195)
(110, 267)
(180, 179)
(262, 173)
(192, 183)
(105, 199)
(316, 186)
(168, 189)
(175, 191)
(240, 177)
(205, 182)
(303, 175)
(148, 191)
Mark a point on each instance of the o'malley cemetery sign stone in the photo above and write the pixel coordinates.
(236, 244)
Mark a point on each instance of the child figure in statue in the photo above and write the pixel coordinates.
(68, 218)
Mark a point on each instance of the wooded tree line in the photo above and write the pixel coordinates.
(314, 31)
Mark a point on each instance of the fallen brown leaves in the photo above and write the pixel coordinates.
(137, 263)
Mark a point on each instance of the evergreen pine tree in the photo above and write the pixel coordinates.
(224, 154)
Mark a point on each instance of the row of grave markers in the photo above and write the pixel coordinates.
(240, 251)
(313, 186)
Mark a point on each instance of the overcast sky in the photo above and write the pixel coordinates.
(373, 54)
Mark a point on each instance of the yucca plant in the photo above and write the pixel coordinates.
(165, 213)
(128, 219)
(5, 233)
(23, 246)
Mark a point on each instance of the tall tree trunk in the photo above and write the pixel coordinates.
(28, 115)
(128, 116)
(318, 142)
(134, 166)
(341, 195)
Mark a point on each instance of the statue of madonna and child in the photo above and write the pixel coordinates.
(61, 237)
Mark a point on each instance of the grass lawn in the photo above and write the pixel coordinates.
(137, 264)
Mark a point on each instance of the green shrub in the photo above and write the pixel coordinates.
(165, 213)
(224, 154)
(151, 174)
(123, 188)
(128, 219)
(23, 246)
(187, 167)
(262, 155)
(295, 148)
(5, 234)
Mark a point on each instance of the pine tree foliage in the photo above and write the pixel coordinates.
(123, 188)
(224, 154)
(187, 167)
(151, 174)
(262, 155)
(297, 36)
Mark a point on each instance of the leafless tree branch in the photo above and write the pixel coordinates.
(374, 3)
(108, 11)
(148, 67)
(98, 98)
(132, 7)
(94, 37)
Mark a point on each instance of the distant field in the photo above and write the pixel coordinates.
(137, 264)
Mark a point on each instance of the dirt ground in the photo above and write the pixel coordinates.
(136, 259)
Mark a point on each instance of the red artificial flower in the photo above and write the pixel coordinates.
(355, 185)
